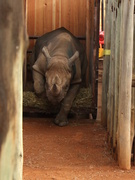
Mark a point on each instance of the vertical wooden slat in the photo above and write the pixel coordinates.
(30, 5)
(95, 55)
(133, 98)
(116, 82)
(53, 14)
(106, 64)
(65, 14)
(88, 36)
(100, 25)
(58, 14)
(92, 34)
(39, 15)
(77, 18)
(47, 16)
(72, 16)
(89, 39)
(124, 112)
(25, 60)
(82, 18)
(132, 139)
(110, 101)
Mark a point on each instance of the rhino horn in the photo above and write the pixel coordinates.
(45, 52)
(55, 90)
(73, 58)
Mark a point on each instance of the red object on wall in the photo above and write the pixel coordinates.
(101, 37)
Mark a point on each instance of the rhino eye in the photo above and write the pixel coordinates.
(66, 86)
(46, 85)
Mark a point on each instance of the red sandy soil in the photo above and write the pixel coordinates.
(78, 151)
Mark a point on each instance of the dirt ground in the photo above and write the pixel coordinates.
(78, 151)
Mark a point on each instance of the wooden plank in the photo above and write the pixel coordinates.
(116, 82)
(78, 17)
(39, 17)
(110, 101)
(89, 40)
(133, 101)
(82, 18)
(92, 32)
(88, 37)
(58, 14)
(47, 17)
(96, 54)
(12, 36)
(65, 14)
(25, 60)
(132, 139)
(124, 112)
(106, 64)
(75, 17)
(30, 5)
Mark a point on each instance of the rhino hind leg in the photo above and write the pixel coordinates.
(61, 118)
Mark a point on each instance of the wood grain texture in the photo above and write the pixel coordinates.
(13, 37)
(124, 112)
(47, 15)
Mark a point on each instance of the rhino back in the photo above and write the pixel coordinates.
(59, 41)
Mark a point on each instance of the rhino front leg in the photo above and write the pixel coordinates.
(61, 119)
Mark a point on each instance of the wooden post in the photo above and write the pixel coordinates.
(133, 99)
(132, 139)
(11, 64)
(124, 112)
(89, 39)
(116, 81)
(110, 98)
(106, 64)
(92, 36)
(95, 55)
(25, 60)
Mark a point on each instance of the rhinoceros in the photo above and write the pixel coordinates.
(59, 66)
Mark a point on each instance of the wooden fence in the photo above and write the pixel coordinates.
(118, 87)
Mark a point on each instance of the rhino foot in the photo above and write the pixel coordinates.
(60, 122)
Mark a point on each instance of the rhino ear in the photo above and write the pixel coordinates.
(73, 58)
(45, 52)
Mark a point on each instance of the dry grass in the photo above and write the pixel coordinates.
(83, 99)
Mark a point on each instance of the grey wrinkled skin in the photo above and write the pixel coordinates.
(59, 66)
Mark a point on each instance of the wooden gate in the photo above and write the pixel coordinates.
(117, 113)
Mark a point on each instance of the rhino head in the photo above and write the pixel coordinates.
(58, 75)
